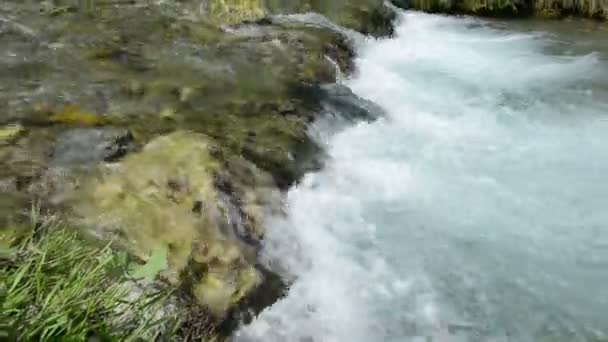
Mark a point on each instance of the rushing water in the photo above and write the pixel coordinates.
(476, 209)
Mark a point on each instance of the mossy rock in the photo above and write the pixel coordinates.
(493, 8)
(365, 16)
(167, 196)
(245, 89)
(24, 162)
(74, 115)
(432, 6)
(551, 14)
(545, 9)
(490, 8)
(14, 212)
(235, 11)
(9, 133)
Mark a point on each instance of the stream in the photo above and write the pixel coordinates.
(474, 209)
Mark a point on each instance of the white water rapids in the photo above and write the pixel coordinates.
(476, 209)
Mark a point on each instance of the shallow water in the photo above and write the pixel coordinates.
(475, 210)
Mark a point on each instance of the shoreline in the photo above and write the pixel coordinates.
(170, 136)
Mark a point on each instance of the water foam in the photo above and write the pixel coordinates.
(474, 211)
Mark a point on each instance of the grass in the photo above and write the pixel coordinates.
(56, 286)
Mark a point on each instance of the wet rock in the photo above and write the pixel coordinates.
(74, 115)
(548, 9)
(365, 16)
(11, 213)
(91, 145)
(41, 163)
(24, 160)
(488, 8)
(166, 196)
(340, 100)
(553, 9)
(231, 11)
(10, 132)
(221, 95)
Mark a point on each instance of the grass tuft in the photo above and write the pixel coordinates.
(55, 286)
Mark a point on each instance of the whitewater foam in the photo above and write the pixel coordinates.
(473, 211)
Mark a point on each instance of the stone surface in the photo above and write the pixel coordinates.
(549, 9)
(167, 196)
(91, 145)
(174, 125)
(366, 16)
(9, 133)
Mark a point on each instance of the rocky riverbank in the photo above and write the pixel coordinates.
(547, 9)
(171, 128)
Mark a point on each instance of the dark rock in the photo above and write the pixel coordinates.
(340, 100)
(91, 145)
(400, 3)
(272, 289)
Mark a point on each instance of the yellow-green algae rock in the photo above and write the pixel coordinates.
(366, 16)
(234, 11)
(166, 196)
(10, 132)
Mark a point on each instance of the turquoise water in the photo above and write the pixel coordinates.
(476, 209)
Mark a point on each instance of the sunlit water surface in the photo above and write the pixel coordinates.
(476, 209)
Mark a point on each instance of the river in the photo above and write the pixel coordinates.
(474, 209)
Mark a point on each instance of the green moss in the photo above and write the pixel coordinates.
(219, 292)
(366, 16)
(494, 8)
(165, 198)
(432, 6)
(10, 132)
(73, 115)
(150, 199)
(550, 14)
(235, 11)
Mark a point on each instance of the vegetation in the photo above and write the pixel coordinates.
(55, 286)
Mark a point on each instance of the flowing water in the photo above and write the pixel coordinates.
(475, 209)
